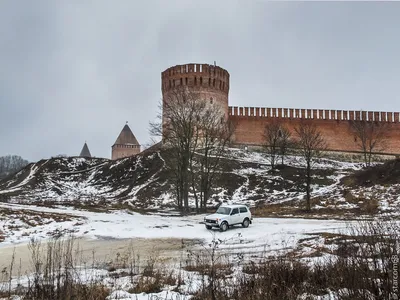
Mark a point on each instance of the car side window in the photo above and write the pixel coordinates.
(243, 210)
(235, 211)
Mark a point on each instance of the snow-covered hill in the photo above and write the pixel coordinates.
(143, 182)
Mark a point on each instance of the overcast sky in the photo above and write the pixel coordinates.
(72, 71)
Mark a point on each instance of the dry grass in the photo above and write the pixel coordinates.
(34, 218)
(361, 268)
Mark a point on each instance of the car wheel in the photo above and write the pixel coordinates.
(208, 227)
(246, 223)
(224, 226)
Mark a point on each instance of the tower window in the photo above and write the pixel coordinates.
(181, 82)
(195, 81)
(186, 80)
(201, 80)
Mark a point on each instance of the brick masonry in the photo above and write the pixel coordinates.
(334, 125)
(212, 84)
(121, 151)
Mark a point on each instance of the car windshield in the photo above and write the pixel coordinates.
(223, 210)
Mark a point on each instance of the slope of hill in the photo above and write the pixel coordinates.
(143, 182)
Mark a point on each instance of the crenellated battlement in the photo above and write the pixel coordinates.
(316, 114)
(195, 75)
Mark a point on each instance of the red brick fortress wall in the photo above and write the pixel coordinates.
(333, 124)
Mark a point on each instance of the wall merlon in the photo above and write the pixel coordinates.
(285, 113)
(370, 116)
(315, 114)
(383, 116)
(364, 115)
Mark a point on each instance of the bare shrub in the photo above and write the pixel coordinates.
(370, 206)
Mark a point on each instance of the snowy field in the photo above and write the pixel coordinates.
(265, 237)
(264, 233)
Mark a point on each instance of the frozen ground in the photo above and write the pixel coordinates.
(264, 236)
(124, 225)
(111, 234)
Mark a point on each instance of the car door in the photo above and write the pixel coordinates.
(235, 216)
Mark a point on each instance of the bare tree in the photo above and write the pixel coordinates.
(195, 135)
(285, 142)
(178, 127)
(216, 133)
(276, 141)
(11, 164)
(311, 145)
(271, 138)
(369, 136)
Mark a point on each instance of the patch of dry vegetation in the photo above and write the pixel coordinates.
(360, 267)
(355, 265)
(16, 220)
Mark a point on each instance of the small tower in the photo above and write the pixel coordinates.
(126, 144)
(85, 151)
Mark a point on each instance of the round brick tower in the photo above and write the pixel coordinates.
(210, 82)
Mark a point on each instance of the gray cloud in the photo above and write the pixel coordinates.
(77, 70)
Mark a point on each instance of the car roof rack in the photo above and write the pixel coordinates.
(234, 203)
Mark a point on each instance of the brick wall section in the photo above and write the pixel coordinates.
(120, 151)
(249, 129)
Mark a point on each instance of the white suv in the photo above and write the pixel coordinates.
(229, 215)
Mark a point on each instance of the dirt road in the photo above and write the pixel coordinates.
(105, 252)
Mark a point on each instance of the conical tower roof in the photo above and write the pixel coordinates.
(126, 137)
(85, 151)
